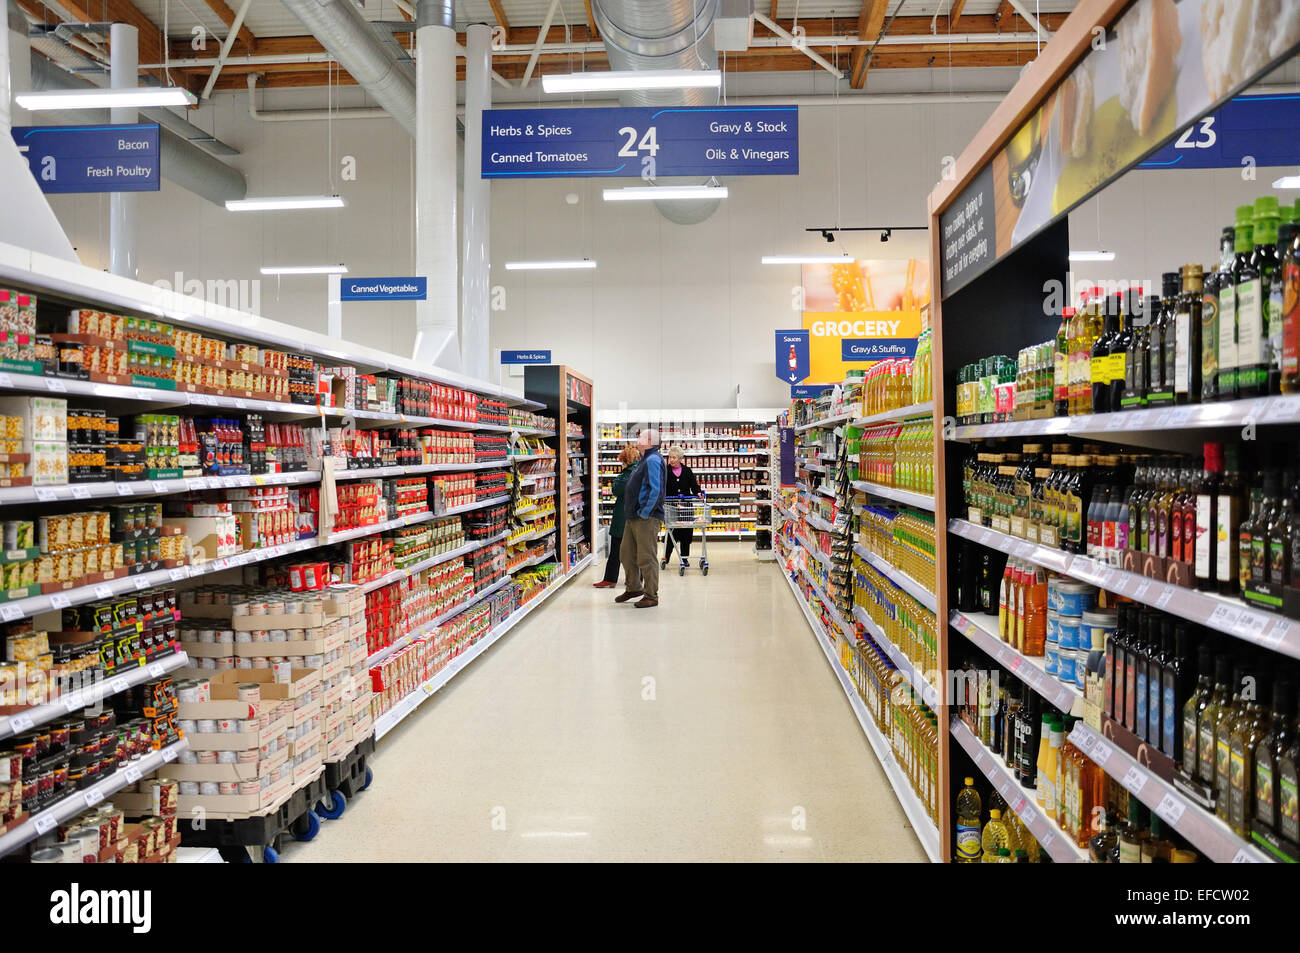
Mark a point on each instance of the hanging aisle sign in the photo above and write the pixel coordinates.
(526, 357)
(649, 141)
(121, 158)
(1261, 130)
(792, 360)
(383, 289)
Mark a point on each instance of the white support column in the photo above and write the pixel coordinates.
(124, 43)
(475, 250)
(437, 318)
(334, 307)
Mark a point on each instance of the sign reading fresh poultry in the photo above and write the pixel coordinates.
(641, 142)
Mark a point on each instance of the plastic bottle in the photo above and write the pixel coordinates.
(994, 838)
(968, 824)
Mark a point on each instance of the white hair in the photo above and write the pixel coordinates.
(650, 436)
(676, 451)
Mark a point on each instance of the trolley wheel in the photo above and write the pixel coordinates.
(681, 570)
(306, 827)
(338, 804)
(270, 855)
(705, 569)
(370, 776)
(235, 855)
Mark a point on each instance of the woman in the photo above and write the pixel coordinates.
(681, 482)
(628, 458)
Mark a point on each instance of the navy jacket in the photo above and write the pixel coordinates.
(645, 488)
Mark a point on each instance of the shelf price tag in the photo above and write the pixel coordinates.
(1140, 592)
(46, 494)
(1224, 617)
(1134, 779)
(1281, 410)
(20, 723)
(44, 822)
(169, 754)
(124, 489)
(55, 385)
(132, 774)
(93, 797)
(59, 601)
(1250, 623)
(140, 583)
(72, 701)
(81, 492)
(1277, 633)
(1046, 839)
(1244, 856)
(1170, 809)
(103, 591)
(6, 381)
(1101, 752)
(180, 573)
(155, 670)
(1166, 594)
(1115, 422)
(9, 613)
(198, 483)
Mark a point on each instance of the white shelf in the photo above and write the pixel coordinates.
(920, 501)
(534, 561)
(815, 553)
(915, 589)
(824, 491)
(74, 701)
(815, 467)
(817, 522)
(926, 832)
(982, 630)
(1211, 836)
(397, 575)
(391, 718)
(1229, 616)
(75, 802)
(845, 625)
(902, 413)
(1229, 413)
(539, 496)
(1021, 800)
(824, 422)
(412, 519)
(380, 654)
(525, 457)
(916, 676)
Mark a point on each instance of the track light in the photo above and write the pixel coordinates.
(884, 236)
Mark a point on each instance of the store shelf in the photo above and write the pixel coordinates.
(815, 553)
(539, 496)
(982, 630)
(1050, 837)
(1230, 616)
(397, 575)
(1232, 413)
(827, 492)
(411, 520)
(394, 716)
(1210, 835)
(912, 587)
(525, 457)
(815, 467)
(917, 677)
(534, 561)
(817, 522)
(925, 830)
(89, 696)
(902, 413)
(845, 625)
(824, 422)
(919, 500)
(42, 822)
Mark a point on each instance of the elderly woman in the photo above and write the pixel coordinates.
(681, 482)
(628, 458)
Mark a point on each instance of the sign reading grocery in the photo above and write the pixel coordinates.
(121, 158)
(792, 356)
(525, 357)
(383, 289)
(642, 142)
(1256, 130)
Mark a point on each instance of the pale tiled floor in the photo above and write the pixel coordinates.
(548, 736)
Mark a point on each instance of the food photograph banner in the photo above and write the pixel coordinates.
(1160, 66)
(860, 312)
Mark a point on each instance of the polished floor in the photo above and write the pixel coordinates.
(707, 729)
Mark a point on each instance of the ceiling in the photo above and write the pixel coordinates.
(862, 38)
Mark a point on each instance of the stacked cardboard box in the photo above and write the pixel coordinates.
(347, 686)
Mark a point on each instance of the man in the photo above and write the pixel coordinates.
(644, 506)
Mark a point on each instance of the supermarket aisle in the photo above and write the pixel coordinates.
(700, 730)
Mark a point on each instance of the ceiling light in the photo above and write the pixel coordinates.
(304, 269)
(276, 203)
(1287, 182)
(549, 265)
(808, 259)
(1092, 256)
(106, 98)
(633, 79)
(658, 193)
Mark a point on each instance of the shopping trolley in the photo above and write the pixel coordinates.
(690, 512)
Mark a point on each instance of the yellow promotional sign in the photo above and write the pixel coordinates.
(861, 312)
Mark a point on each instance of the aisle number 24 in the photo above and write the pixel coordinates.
(632, 149)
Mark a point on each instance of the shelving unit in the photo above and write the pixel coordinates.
(570, 397)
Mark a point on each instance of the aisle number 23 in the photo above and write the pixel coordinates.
(1207, 136)
(632, 149)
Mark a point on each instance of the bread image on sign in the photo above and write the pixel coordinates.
(1241, 37)
(1149, 42)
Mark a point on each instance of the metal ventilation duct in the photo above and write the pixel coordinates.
(655, 35)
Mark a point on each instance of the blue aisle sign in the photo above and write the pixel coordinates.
(807, 391)
(876, 349)
(526, 357)
(793, 359)
(120, 158)
(1265, 128)
(650, 141)
(383, 289)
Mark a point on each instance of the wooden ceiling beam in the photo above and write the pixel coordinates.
(871, 19)
(500, 14)
(591, 21)
(227, 16)
(954, 14)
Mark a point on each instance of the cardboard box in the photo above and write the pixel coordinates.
(239, 740)
(229, 772)
(276, 620)
(302, 681)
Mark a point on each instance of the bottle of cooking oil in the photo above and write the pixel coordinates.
(969, 810)
(995, 837)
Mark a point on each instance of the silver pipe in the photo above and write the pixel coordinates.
(294, 115)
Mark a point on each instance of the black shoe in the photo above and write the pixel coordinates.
(627, 596)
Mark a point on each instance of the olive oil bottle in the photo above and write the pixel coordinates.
(1250, 729)
(1187, 336)
(1100, 365)
(1252, 335)
(1288, 247)
(1211, 314)
(1269, 266)
(1269, 751)
(1220, 698)
(1195, 707)
(1161, 355)
(1135, 356)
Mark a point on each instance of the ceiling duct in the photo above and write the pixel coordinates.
(347, 36)
(660, 35)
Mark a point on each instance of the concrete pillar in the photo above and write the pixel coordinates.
(475, 249)
(124, 58)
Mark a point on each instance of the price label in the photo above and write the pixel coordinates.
(1250, 623)
(9, 613)
(60, 601)
(1105, 578)
(1170, 809)
(103, 591)
(1182, 415)
(1141, 590)
(986, 537)
(1005, 788)
(155, 670)
(1134, 779)
(46, 494)
(5, 381)
(169, 754)
(1032, 677)
(44, 822)
(1024, 550)
(140, 583)
(241, 403)
(1281, 410)
(1003, 656)
(1004, 543)
(1224, 617)
(20, 723)
(1019, 806)
(1277, 634)
(178, 574)
(118, 684)
(198, 483)
(1046, 839)
(1101, 752)
(72, 701)
(1244, 856)
(93, 797)
(1166, 594)
(124, 489)
(1015, 665)
(1115, 422)
(132, 774)
(81, 492)
(55, 385)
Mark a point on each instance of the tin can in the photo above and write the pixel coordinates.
(250, 692)
(228, 787)
(261, 662)
(207, 757)
(187, 756)
(48, 855)
(208, 788)
(282, 673)
(85, 845)
(248, 756)
(164, 791)
(244, 637)
(242, 663)
(205, 725)
(227, 757)
(189, 788)
(227, 726)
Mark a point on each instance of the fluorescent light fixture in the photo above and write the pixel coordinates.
(276, 203)
(548, 265)
(107, 98)
(1287, 182)
(1092, 256)
(304, 269)
(633, 79)
(659, 193)
(808, 259)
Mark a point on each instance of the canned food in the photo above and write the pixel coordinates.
(227, 757)
(250, 692)
(208, 788)
(85, 845)
(207, 757)
(1067, 630)
(48, 855)
(1065, 670)
(189, 788)
(228, 787)
(164, 791)
(205, 725)
(1069, 597)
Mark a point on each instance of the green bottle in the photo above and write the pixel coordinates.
(1229, 319)
(1268, 263)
